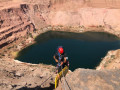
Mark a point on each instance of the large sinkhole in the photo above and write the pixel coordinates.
(84, 50)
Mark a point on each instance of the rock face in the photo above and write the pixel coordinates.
(14, 24)
(79, 13)
(22, 76)
(110, 61)
(18, 19)
(85, 79)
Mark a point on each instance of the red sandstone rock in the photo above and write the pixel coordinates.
(14, 24)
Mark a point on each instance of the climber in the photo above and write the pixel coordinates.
(61, 58)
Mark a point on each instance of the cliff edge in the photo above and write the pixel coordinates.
(86, 79)
(15, 75)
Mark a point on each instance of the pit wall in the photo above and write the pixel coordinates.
(77, 13)
(110, 61)
(92, 3)
(14, 24)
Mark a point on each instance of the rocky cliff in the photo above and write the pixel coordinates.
(77, 13)
(85, 79)
(20, 18)
(110, 61)
(80, 13)
(14, 24)
(15, 75)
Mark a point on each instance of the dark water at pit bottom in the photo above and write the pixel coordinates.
(84, 50)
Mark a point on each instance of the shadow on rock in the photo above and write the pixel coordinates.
(38, 88)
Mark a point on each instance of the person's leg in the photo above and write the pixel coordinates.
(59, 70)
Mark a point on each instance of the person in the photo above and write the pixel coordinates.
(61, 58)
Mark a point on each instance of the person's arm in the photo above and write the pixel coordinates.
(55, 59)
(65, 59)
(61, 63)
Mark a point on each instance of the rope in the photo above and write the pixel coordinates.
(63, 76)
(65, 81)
(67, 84)
(46, 80)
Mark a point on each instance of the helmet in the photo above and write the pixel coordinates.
(60, 50)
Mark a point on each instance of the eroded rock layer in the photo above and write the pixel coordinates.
(14, 24)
